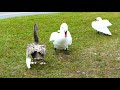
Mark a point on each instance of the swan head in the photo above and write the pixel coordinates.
(64, 28)
(98, 19)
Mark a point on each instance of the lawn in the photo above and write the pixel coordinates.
(92, 55)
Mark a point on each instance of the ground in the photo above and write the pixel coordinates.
(91, 54)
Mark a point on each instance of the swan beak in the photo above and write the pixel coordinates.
(66, 34)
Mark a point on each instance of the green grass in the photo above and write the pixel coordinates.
(92, 55)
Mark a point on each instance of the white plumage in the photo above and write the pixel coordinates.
(62, 38)
(101, 25)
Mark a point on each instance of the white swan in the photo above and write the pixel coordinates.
(62, 38)
(101, 25)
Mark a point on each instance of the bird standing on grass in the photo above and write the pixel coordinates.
(101, 25)
(62, 38)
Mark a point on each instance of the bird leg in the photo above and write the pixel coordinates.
(55, 49)
(66, 51)
(56, 53)
(98, 32)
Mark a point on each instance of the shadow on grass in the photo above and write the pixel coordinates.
(58, 52)
(102, 34)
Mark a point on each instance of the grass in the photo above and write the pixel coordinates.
(92, 55)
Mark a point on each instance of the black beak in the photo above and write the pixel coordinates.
(66, 34)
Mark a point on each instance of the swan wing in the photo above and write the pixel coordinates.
(69, 38)
(105, 30)
(106, 23)
(97, 25)
(101, 26)
(53, 36)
